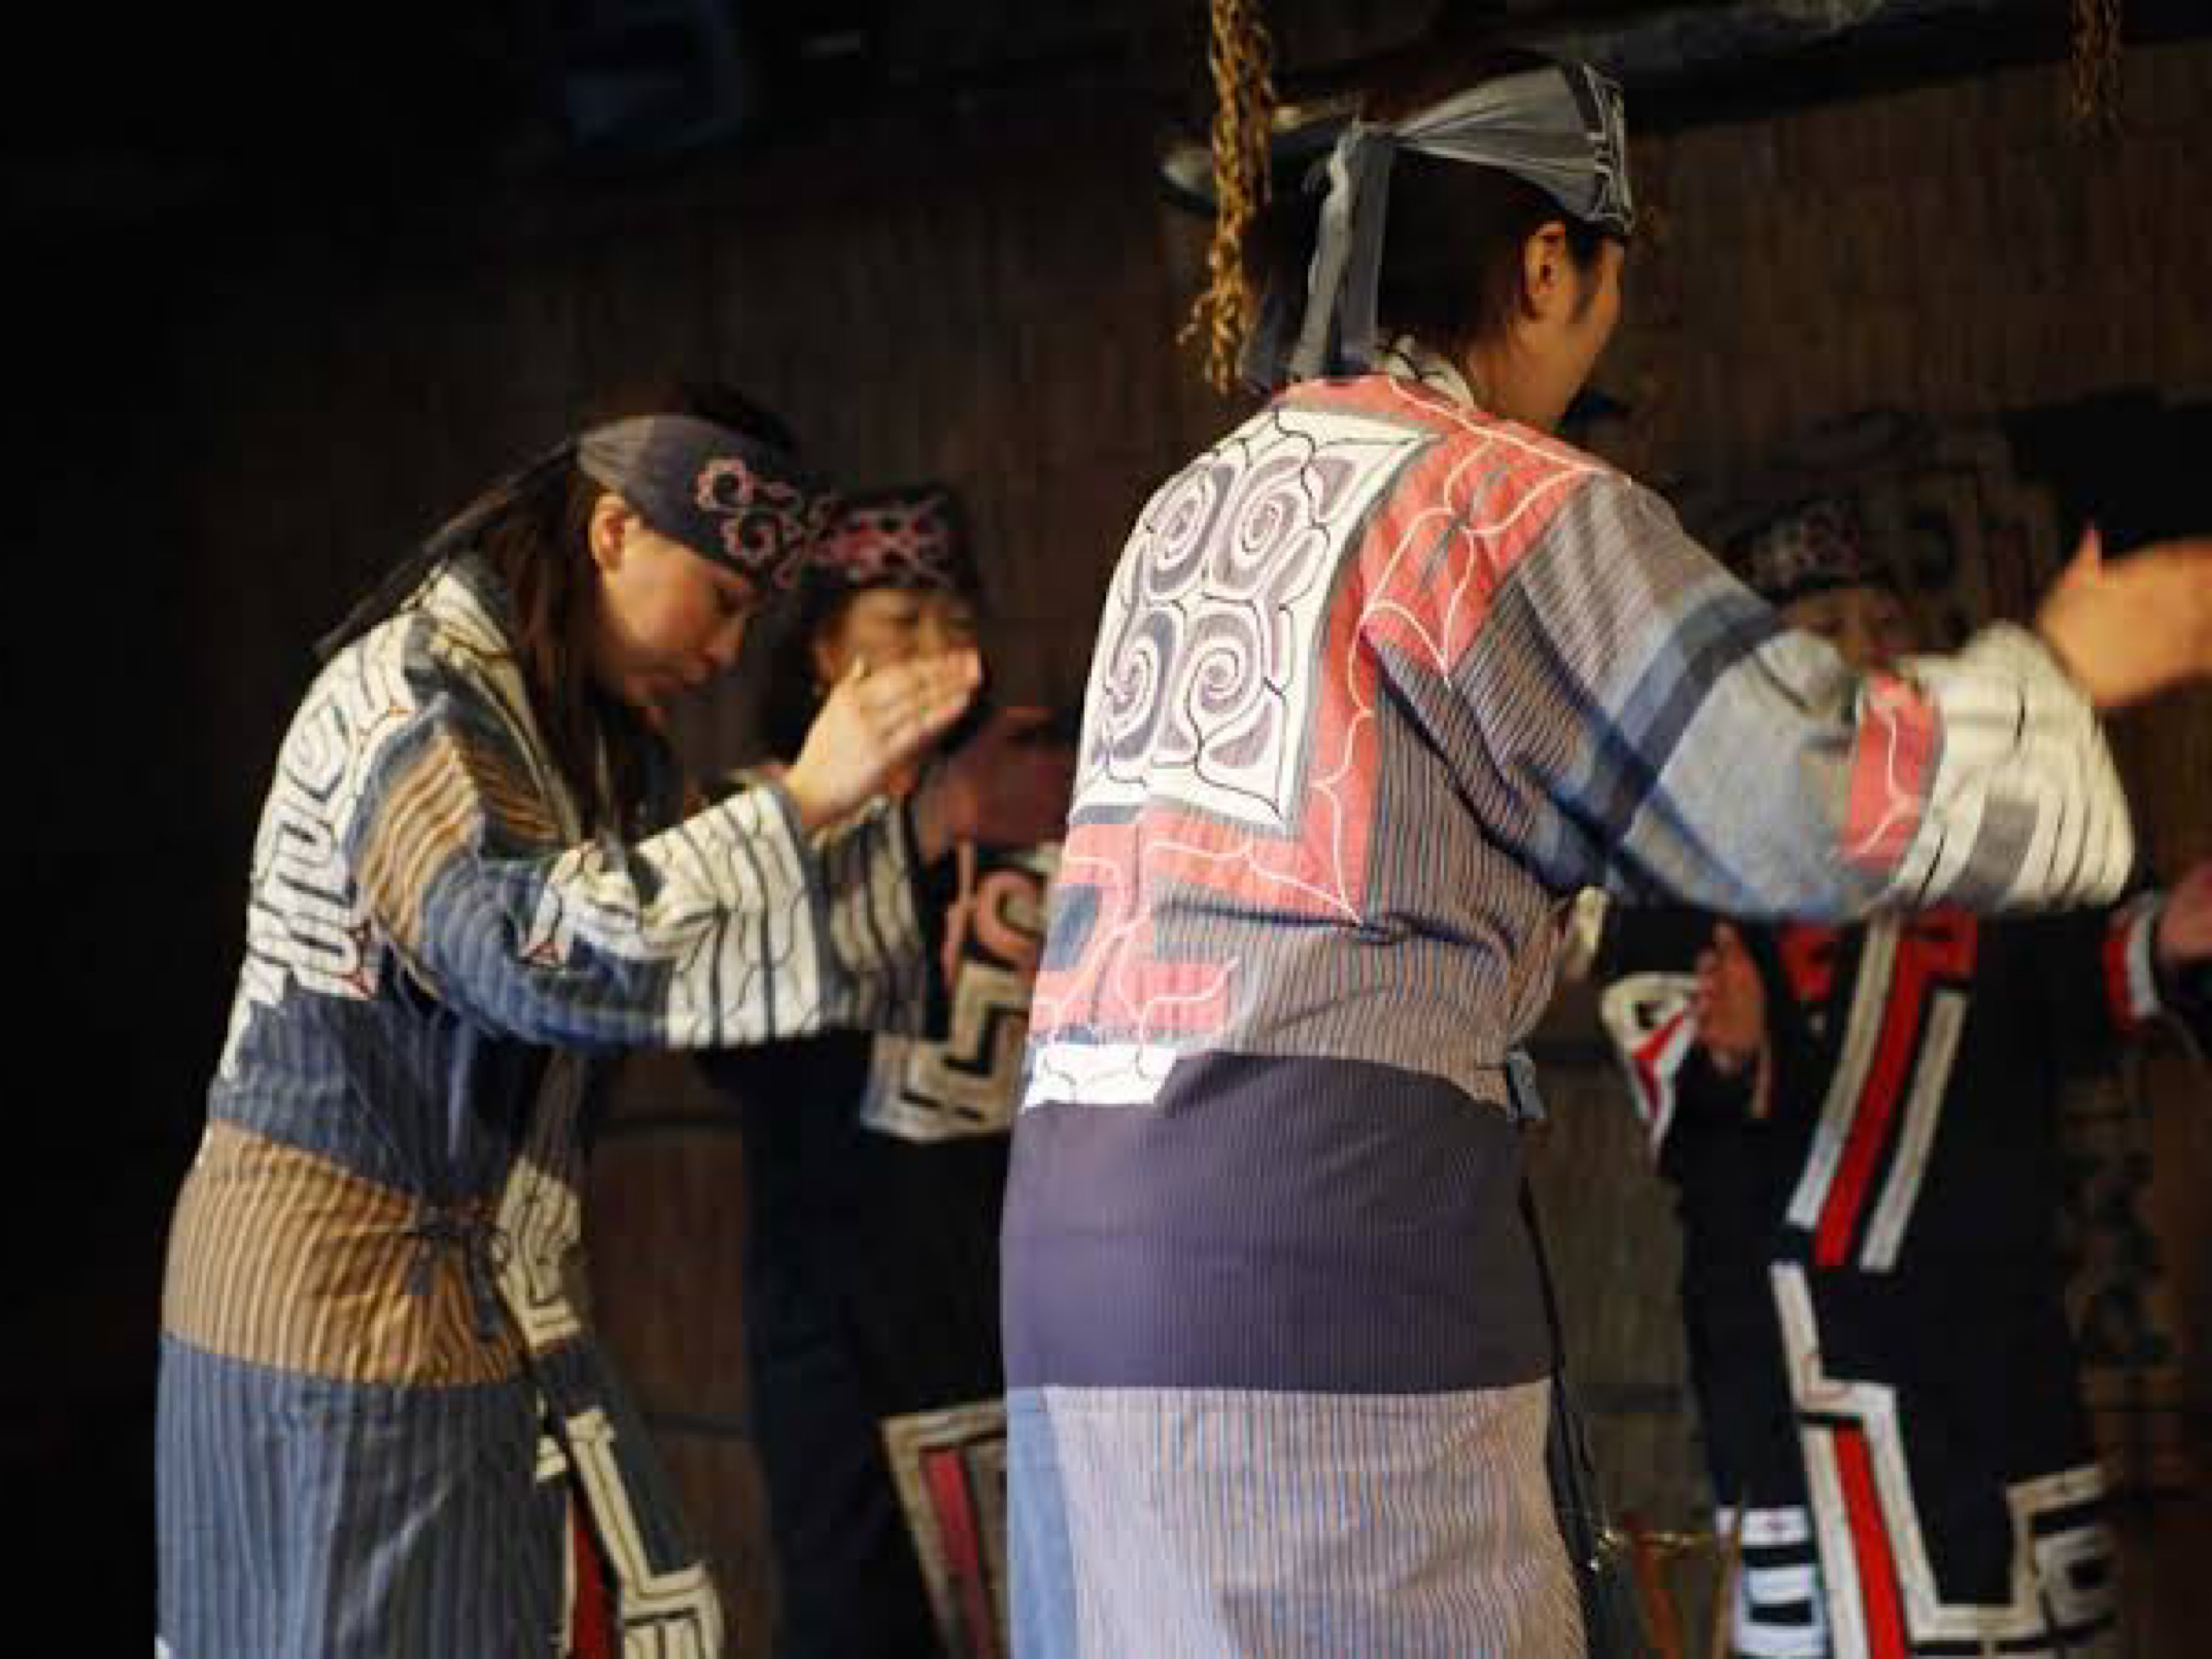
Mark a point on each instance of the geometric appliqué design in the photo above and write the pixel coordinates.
(970, 1082)
(950, 1466)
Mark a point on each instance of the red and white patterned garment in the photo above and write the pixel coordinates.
(1382, 681)
(1871, 1287)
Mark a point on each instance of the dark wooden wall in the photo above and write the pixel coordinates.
(986, 293)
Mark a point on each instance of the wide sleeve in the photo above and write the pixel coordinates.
(1646, 971)
(1666, 737)
(730, 927)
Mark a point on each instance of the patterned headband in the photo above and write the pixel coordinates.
(908, 537)
(743, 503)
(1560, 127)
(1811, 548)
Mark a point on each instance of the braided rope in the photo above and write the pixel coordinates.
(1241, 55)
(2096, 93)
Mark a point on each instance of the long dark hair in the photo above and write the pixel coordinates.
(1447, 221)
(539, 551)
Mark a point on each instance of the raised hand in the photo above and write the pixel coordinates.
(1003, 787)
(2130, 630)
(1729, 1006)
(2185, 923)
(872, 725)
(1730, 1003)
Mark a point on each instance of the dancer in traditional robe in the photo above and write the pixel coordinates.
(1385, 676)
(1861, 1122)
(385, 1425)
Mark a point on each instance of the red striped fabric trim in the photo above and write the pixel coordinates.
(1877, 1566)
(2132, 998)
(1934, 947)
(1656, 1087)
(946, 1472)
(2115, 975)
(1869, 1130)
(591, 1617)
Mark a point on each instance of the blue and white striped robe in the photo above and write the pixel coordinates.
(379, 1399)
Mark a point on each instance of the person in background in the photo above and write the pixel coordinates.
(877, 1163)
(1862, 1124)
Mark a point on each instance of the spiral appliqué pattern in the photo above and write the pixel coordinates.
(1203, 682)
(766, 526)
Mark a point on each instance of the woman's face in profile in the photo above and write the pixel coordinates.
(667, 619)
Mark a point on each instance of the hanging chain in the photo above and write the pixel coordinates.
(1242, 57)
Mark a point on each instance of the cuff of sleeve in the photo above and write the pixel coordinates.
(2139, 991)
(2033, 657)
(768, 789)
(2183, 995)
(2020, 659)
(874, 919)
(2015, 743)
(735, 782)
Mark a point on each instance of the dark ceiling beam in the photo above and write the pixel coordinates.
(1934, 42)
(387, 120)
(1690, 62)
(1697, 63)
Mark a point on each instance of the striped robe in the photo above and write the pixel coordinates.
(1382, 681)
(382, 1410)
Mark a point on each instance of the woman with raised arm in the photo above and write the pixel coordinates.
(1385, 676)
(1862, 1123)
(385, 1425)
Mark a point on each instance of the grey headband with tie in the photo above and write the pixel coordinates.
(1560, 127)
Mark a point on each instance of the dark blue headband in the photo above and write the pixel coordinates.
(745, 504)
